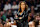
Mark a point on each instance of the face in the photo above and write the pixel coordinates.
(37, 18)
(7, 3)
(23, 5)
(1, 13)
(14, 3)
(32, 7)
(9, 11)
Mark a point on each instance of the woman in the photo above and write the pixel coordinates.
(22, 15)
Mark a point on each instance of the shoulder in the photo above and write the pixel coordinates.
(30, 22)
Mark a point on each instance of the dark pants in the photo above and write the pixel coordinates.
(24, 24)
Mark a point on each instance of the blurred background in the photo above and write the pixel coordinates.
(9, 8)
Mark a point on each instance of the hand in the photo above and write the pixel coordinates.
(20, 17)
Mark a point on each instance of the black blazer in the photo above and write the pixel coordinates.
(24, 15)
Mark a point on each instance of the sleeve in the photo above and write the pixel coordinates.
(17, 13)
(25, 17)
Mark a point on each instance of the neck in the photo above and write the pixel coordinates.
(22, 10)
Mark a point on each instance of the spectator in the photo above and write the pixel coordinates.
(32, 10)
(14, 6)
(9, 1)
(30, 17)
(32, 2)
(31, 24)
(9, 15)
(7, 6)
(3, 17)
(35, 22)
(2, 5)
(17, 1)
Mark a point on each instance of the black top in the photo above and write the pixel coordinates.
(24, 16)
